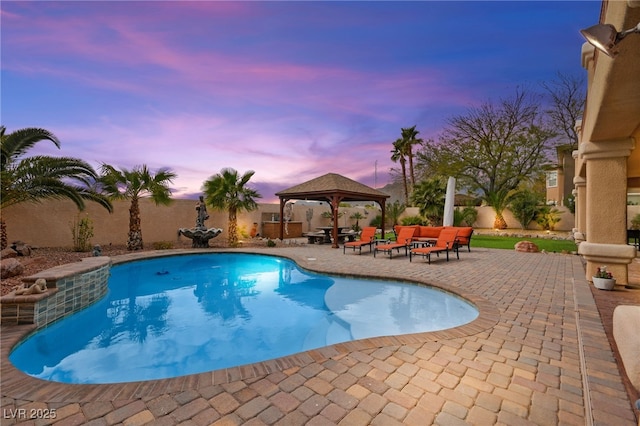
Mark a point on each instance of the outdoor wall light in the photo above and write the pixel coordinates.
(605, 37)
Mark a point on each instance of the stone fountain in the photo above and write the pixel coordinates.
(200, 235)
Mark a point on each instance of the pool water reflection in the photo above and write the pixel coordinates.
(179, 315)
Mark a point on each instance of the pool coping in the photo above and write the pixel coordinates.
(19, 385)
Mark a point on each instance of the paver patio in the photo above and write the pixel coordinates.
(537, 355)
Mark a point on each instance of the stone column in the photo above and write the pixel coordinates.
(606, 208)
(580, 193)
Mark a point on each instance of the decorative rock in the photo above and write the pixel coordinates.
(526, 247)
(8, 253)
(10, 268)
(21, 248)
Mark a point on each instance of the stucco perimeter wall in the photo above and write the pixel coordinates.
(48, 224)
(486, 216)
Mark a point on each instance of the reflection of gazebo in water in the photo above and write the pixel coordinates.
(335, 189)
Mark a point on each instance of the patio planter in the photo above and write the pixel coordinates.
(604, 283)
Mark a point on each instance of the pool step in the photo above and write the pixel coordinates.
(326, 332)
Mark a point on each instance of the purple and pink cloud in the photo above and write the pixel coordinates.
(291, 90)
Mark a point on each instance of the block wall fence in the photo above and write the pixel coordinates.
(48, 224)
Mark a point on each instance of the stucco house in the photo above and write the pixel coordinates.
(607, 161)
(560, 179)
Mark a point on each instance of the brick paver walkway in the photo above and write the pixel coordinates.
(538, 355)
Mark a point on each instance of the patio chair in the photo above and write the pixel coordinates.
(402, 241)
(447, 241)
(367, 238)
(464, 237)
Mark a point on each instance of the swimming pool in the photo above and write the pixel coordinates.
(179, 315)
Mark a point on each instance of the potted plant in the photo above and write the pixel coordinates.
(603, 279)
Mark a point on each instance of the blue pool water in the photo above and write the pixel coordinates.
(172, 316)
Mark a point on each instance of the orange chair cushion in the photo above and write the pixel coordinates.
(430, 231)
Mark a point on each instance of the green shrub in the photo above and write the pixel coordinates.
(412, 220)
(548, 217)
(635, 222)
(357, 216)
(525, 206)
(242, 232)
(82, 232)
(162, 245)
(271, 243)
(393, 212)
(570, 203)
(469, 215)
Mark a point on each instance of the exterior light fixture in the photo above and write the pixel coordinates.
(605, 37)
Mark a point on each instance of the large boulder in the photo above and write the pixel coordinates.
(526, 247)
(10, 268)
(8, 253)
(21, 248)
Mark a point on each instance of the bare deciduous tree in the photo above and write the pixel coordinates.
(567, 96)
(492, 148)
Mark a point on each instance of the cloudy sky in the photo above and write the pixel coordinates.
(292, 90)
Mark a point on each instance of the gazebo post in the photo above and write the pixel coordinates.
(335, 204)
(382, 206)
(282, 203)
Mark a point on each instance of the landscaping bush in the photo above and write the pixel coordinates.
(469, 215)
(547, 218)
(525, 206)
(376, 221)
(82, 232)
(162, 245)
(412, 220)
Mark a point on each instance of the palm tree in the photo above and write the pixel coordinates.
(132, 185)
(357, 216)
(398, 154)
(410, 138)
(228, 191)
(39, 177)
(394, 211)
(429, 195)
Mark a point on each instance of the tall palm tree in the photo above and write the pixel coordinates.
(228, 191)
(31, 179)
(132, 185)
(410, 138)
(398, 154)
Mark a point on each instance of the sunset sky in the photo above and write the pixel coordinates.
(292, 90)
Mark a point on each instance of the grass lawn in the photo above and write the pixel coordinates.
(508, 243)
(498, 242)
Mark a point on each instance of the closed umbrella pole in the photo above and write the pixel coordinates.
(449, 202)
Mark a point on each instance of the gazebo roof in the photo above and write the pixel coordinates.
(334, 188)
(332, 184)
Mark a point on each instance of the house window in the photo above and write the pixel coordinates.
(552, 179)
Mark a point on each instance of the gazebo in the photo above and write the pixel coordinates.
(335, 189)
